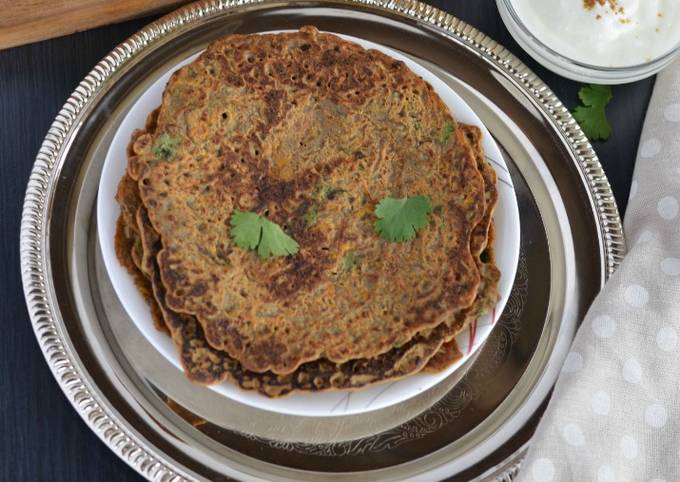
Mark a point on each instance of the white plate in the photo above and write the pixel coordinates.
(330, 403)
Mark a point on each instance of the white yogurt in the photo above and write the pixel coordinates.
(642, 31)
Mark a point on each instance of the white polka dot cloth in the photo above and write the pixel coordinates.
(615, 411)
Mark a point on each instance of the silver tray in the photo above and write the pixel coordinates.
(476, 424)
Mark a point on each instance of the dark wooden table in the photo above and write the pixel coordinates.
(41, 436)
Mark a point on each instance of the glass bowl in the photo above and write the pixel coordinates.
(573, 69)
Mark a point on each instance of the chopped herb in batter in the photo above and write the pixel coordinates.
(166, 147)
(329, 192)
(447, 130)
(311, 216)
(349, 261)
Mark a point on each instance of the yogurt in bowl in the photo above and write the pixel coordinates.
(600, 41)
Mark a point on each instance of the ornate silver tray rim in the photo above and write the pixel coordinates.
(48, 323)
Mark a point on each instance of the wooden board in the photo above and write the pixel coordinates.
(25, 21)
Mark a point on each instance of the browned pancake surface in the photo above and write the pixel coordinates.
(298, 127)
(204, 364)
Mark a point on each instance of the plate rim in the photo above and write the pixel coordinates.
(34, 249)
(508, 231)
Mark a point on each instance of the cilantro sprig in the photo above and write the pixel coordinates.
(592, 116)
(400, 219)
(252, 231)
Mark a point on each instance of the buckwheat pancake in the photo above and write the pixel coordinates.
(310, 131)
(205, 365)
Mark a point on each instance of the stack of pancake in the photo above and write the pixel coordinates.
(311, 132)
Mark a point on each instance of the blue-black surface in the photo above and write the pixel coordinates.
(41, 436)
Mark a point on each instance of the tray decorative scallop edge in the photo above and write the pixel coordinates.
(143, 458)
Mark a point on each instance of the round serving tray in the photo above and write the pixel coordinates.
(474, 424)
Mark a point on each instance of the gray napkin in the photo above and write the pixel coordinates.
(615, 411)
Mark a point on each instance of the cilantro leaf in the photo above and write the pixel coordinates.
(591, 116)
(246, 229)
(251, 231)
(595, 94)
(400, 219)
(275, 242)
